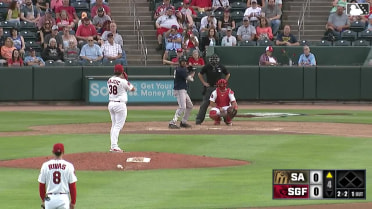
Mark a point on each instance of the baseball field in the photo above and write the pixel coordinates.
(203, 167)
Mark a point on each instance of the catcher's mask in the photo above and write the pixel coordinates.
(221, 84)
(214, 60)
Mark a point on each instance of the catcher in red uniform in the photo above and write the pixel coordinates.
(223, 103)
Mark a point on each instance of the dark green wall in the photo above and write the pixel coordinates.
(250, 83)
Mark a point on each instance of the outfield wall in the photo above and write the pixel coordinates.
(250, 83)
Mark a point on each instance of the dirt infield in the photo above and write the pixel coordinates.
(169, 160)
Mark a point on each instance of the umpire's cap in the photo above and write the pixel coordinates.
(58, 148)
(118, 68)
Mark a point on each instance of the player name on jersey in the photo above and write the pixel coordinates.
(319, 184)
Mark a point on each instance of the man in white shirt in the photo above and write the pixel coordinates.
(112, 52)
(253, 12)
(163, 24)
(208, 22)
(246, 32)
(229, 39)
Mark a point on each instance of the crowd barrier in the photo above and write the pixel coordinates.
(250, 83)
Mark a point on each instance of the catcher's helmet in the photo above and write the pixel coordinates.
(222, 84)
(214, 60)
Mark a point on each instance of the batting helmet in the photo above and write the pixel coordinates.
(182, 59)
(222, 84)
(214, 60)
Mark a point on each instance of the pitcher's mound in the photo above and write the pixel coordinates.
(108, 161)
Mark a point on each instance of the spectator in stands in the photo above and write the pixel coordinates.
(30, 13)
(83, 15)
(54, 34)
(48, 17)
(201, 5)
(33, 60)
(286, 38)
(112, 51)
(69, 9)
(187, 15)
(16, 60)
(100, 19)
(190, 41)
(267, 58)
(209, 40)
(246, 32)
(174, 60)
(307, 58)
(72, 52)
(263, 30)
(162, 9)
(67, 38)
(228, 39)
(336, 3)
(253, 13)
(220, 5)
(173, 41)
(18, 40)
(93, 2)
(91, 52)
(278, 3)
(42, 6)
(7, 49)
(208, 22)
(195, 59)
(85, 31)
(163, 24)
(369, 26)
(64, 21)
(99, 4)
(260, 3)
(2, 38)
(14, 13)
(54, 4)
(337, 22)
(117, 37)
(226, 21)
(45, 30)
(52, 52)
(273, 13)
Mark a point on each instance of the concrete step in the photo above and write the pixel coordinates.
(310, 18)
(312, 13)
(312, 8)
(307, 22)
(143, 20)
(313, 3)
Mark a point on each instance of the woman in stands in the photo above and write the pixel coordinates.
(190, 41)
(14, 13)
(16, 60)
(45, 30)
(52, 52)
(263, 30)
(54, 4)
(67, 37)
(209, 40)
(7, 49)
(226, 21)
(64, 21)
(195, 59)
(18, 40)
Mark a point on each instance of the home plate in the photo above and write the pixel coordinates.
(138, 160)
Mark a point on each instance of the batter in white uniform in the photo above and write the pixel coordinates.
(57, 181)
(118, 86)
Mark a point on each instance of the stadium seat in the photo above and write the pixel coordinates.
(366, 35)
(27, 26)
(349, 35)
(8, 25)
(28, 35)
(357, 26)
(53, 63)
(108, 63)
(304, 43)
(81, 6)
(247, 43)
(171, 54)
(3, 13)
(265, 43)
(177, 5)
(238, 6)
(361, 42)
(72, 63)
(218, 15)
(342, 43)
(323, 43)
(199, 16)
(33, 45)
(237, 15)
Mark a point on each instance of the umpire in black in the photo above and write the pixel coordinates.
(213, 72)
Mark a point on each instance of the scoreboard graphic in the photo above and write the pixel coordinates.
(319, 184)
(356, 9)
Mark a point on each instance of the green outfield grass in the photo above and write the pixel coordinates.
(229, 187)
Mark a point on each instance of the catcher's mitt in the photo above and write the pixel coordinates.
(231, 112)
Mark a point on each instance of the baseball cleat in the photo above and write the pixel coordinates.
(185, 125)
(173, 126)
(116, 150)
